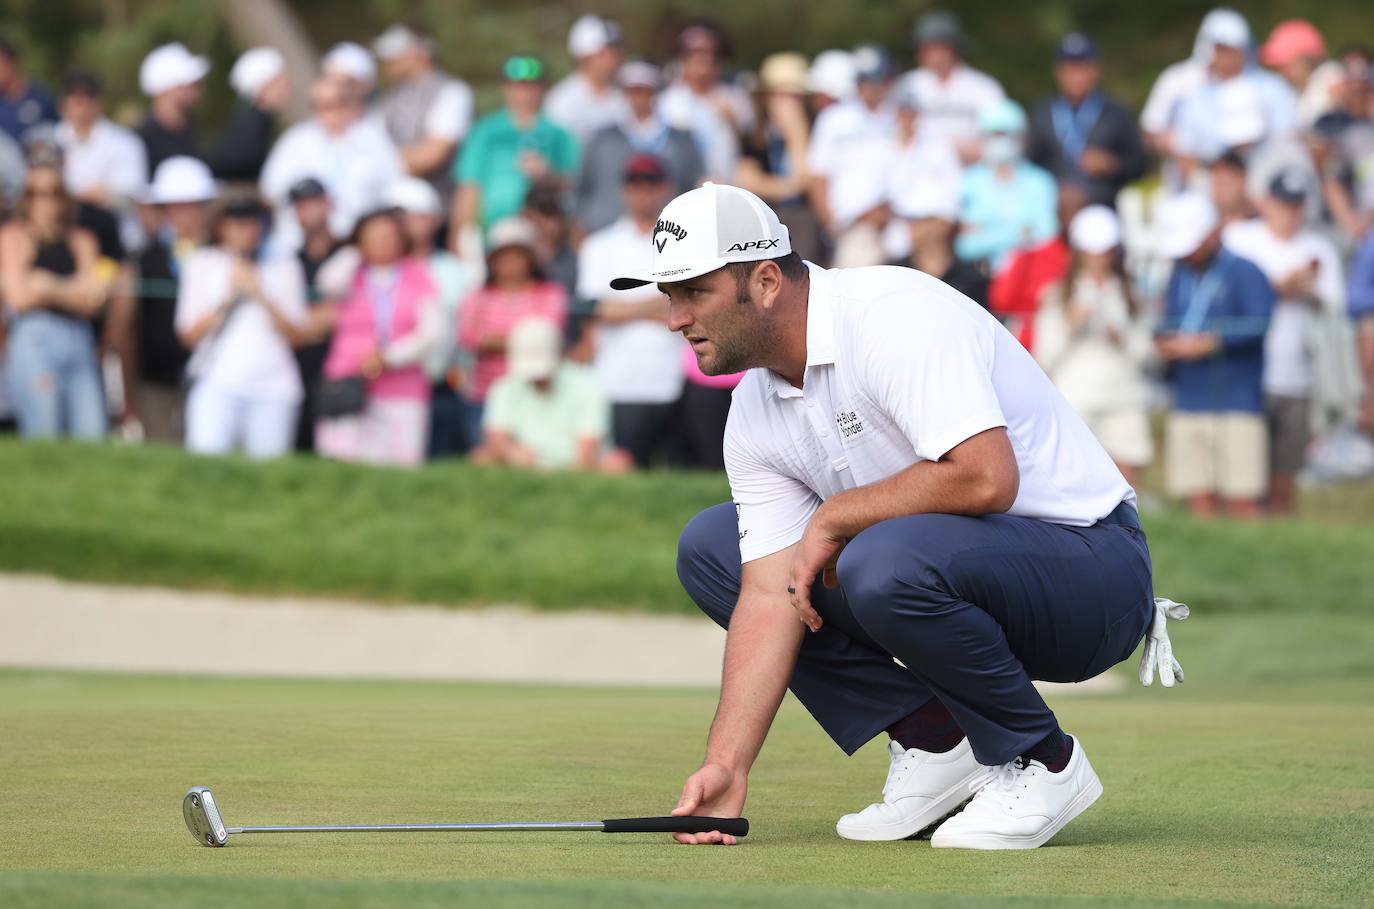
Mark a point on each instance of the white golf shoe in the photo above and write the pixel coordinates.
(1020, 805)
(921, 788)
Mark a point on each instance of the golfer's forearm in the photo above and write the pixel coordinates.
(979, 476)
(760, 653)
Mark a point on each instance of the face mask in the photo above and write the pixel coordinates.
(1001, 149)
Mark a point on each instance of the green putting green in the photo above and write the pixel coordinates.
(1250, 784)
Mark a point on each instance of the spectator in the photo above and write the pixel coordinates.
(930, 213)
(699, 101)
(1082, 133)
(773, 165)
(52, 289)
(949, 94)
(152, 354)
(105, 163)
(515, 289)
(921, 181)
(310, 205)
(546, 414)
(1227, 181)
(427, 112)
(171, 78)
(13, 172)
(638, 360)
(830, 80)
(597, 195)
(1362, 311)
(553, 233)
(1346, 145)
(851, 151)
(1217, 308)
(1007, 203)
(374, 405)
(1014, 292)
(507, 151)
(259, 79)
(1090, 339)
(453, 280)
(353, 65)
(1295, 50)
(23, 104)
(240, 314)
(588, 100)
(347, 152)
(1305, 271)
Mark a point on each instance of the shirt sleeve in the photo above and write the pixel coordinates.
(928, 366)
(450, 113)
(196, 294)
(471, 160)
(497, 414)
(773, 508)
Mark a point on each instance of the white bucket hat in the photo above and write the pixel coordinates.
(708, 228)
(181, 179)
(170, 66)
(254, 69)
(1096, 229)
(1182, 223)
(534, 350)
(414, 196)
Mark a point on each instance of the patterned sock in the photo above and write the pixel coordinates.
(1054, 751)
(929, 727)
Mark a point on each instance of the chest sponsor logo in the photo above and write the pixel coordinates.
(848, 423)
(671, 230)
(754, 245)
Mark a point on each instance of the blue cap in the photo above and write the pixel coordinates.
(871, 63)
(1076, 47)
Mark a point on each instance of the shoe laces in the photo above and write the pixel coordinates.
(1002, 784)
(902, 765)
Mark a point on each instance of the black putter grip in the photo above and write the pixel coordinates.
(735, 826)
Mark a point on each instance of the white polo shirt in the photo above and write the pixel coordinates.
(901, 368)
(948, 108)
(853, 147)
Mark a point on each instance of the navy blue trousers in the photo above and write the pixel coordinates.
(973, 608)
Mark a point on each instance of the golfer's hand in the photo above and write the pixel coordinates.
(816, 554)
(1159, 651)
(714, 791)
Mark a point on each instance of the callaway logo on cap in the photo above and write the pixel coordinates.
(708, 228)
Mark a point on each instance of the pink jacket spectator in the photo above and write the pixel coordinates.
(355, 335)
(489, 314)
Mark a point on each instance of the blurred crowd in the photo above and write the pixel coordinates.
(400, 277)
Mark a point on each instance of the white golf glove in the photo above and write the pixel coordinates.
(1159, 653)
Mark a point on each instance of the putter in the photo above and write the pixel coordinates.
(207, 824)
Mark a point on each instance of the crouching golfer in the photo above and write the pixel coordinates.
(921, 526)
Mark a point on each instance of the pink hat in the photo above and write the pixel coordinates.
(1291, 39)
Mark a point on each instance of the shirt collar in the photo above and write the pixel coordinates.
(820, 331)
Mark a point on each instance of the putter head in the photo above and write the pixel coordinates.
(202, 817)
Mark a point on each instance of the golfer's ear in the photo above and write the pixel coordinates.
(766, 283)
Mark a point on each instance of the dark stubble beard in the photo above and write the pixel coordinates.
(742, 338)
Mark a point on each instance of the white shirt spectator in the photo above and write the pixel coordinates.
(637, 362)
(922, 182)
(948, 108)
(111, 157)
(717, 135)
(1240, 111)
(356, 169)
(853, 147)
(1287, 358)
(247, 355)
(1177, 82)
(445, 114)
(901, 368)
(577, 107)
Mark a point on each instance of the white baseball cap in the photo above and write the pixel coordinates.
(181, 179)
(1095, 229)
(170, 66)
(414, 196)
(397, 41)
(1182, 223)
(352, 60)
(1225, 27)
(254, 69)
(833, 73)
(534, 349)
(591, 34)
(708, 228)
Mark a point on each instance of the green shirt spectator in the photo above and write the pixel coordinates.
(552, 421)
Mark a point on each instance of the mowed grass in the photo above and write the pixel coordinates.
(1251, 784)
(452, 535)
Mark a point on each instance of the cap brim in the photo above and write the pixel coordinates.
(1179, 246)
(671, 276)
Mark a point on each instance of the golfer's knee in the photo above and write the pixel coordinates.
(708, 561)
(890, 564)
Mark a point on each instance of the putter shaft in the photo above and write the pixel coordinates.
(415, 828)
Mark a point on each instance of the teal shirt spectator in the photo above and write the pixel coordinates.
(998, 217)
(491, 159)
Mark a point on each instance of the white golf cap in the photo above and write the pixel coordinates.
(513, 231)
(638, 74)
(1182, 223)
(832, 73)
(170, 66)
(351, 60)
(413, 196)
(534, 349)
(591, 34)
(397, 41)
(181, 179)
(1225, 27)
(254, 69)
(927, 199)
(1095, 229)
(708, 228)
